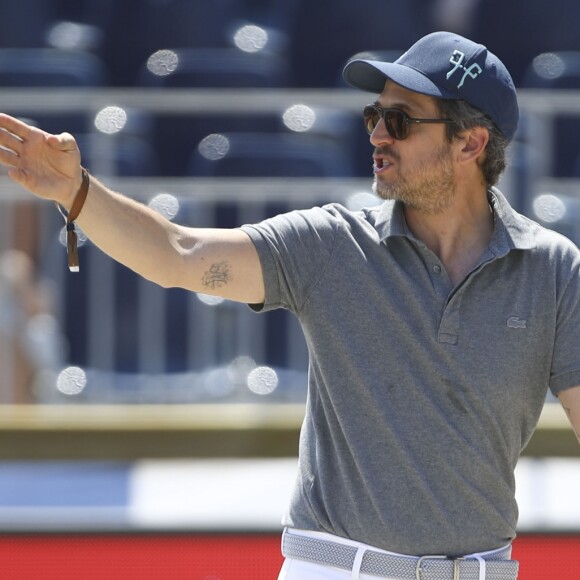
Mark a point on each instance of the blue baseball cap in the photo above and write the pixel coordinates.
(447, 66)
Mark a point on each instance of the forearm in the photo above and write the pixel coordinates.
(212, 261)
(131, 233)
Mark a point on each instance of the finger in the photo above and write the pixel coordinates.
(14, 126)
(8, 156)
(10, 141)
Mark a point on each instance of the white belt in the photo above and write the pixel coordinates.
(497, 566)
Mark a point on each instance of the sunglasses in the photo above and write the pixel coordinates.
(397, 122)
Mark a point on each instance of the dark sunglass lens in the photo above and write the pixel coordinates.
(371, 118)
(397, 124)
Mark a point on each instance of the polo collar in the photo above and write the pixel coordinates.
(511, 230)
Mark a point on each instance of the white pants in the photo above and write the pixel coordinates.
(300, 570)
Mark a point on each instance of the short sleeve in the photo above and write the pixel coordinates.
(294, 249)
(566, 358)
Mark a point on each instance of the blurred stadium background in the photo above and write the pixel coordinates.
(149, 433)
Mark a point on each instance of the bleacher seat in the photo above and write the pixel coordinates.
(31, 68)
(135, 29)
(275, 155)
(24, 23)
(50, 67)
(518, 30)
(325, 33)
(221, 67)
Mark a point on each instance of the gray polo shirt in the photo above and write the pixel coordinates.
(421, 396)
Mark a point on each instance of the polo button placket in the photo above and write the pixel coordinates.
(448, 332)
(441, 282)
(437, 274)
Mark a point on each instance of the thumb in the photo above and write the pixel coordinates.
(63, 142)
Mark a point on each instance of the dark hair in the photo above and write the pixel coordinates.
(465, 116)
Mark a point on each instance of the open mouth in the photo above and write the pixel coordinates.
(380, 165)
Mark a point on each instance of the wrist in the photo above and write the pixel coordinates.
(76, 206)
(80, 196)
(76, 189)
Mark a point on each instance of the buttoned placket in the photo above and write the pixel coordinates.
(449, 297)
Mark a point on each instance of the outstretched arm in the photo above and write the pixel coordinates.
(570, 399)
(213, 261)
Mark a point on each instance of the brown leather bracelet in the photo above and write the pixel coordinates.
(80, 197)
(71, 216)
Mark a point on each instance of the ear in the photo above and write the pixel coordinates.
(472, 144)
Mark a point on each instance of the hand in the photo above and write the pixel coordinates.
(47, 165)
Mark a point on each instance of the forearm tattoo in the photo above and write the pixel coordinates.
(218, 275)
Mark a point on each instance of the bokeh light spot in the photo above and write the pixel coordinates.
(240, 368)
(81, 236)
(548, 65)
(71, 381)
(163, 62)
(299, 118)
(262, 380)
(74, 36)
(111, 120)
(251, 38)
(549, 208)
(214, 147)
(165, 204)
(359, 199)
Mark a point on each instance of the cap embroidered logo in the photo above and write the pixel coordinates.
(473, 71)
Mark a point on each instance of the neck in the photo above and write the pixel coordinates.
(459, 234)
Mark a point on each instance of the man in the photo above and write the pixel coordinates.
(435, 322)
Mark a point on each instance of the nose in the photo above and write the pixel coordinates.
(380, 134)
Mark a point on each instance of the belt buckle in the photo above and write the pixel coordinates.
(418, 571)
(456, 566)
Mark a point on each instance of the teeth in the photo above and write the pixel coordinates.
(380, 164)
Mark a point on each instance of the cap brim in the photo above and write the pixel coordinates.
(370, 76)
